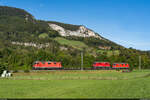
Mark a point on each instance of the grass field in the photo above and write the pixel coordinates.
(77, 84)
(75, 44)
(109, 52)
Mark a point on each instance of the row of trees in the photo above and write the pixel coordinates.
(95, 42)
(66, 26)
(23, 57)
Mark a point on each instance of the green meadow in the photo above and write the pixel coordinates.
(72, 43)
(77, 84)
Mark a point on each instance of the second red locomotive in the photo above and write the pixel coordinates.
(107, 65)
(101, 65)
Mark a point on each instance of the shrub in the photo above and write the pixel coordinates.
(131, 69)
(15, 71)
(2, 68)
(43, 35)
(26, 71)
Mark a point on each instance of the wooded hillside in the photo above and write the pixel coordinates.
(17, 25)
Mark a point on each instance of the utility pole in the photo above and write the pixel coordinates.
(81, 60)
(139, 62)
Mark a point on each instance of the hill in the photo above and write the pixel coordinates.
(25, 40)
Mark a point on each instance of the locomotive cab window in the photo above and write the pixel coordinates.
(49, 63)
(36, 63)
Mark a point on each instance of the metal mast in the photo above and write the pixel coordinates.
(139, 62)
(81, 60)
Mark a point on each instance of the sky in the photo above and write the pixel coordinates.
(126, 22)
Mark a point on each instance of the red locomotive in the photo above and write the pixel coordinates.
(120, 66)
(107, 65)
(101, 65)
(47, 65)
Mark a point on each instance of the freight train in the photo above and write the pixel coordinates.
(96, 65)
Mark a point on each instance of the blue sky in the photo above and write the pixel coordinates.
(126, 22)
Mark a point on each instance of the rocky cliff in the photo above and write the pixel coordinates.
(82, 31)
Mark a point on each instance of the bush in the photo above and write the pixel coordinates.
(2, 68)
(131, 69)
(15, 71)
(43, 35)
(117, 69)
(26, 71)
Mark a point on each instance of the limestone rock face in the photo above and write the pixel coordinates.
(81, 32)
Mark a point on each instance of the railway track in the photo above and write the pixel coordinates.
(76, 69)
(79, 69)
(69, 69)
